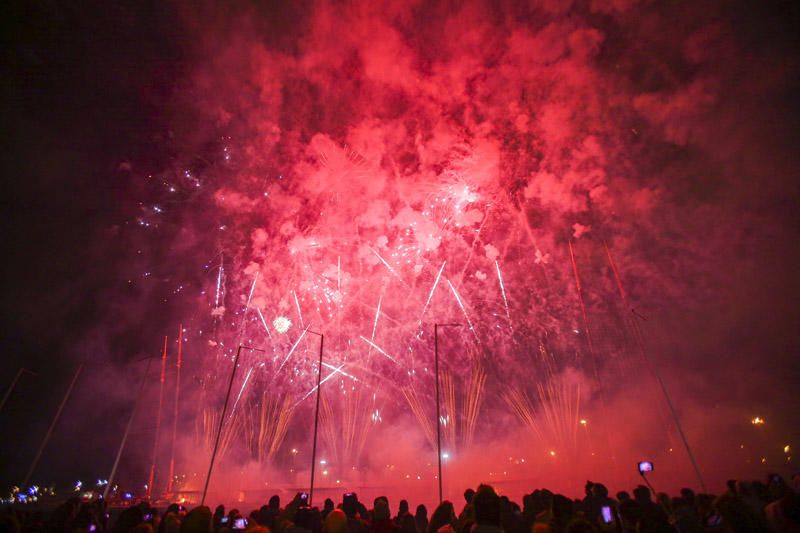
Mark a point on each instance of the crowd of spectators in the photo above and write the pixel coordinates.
(743, 507)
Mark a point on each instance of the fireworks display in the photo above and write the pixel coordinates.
(558, 182)
(365, 187)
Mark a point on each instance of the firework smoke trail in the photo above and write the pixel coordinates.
(585, 316)
(380, 350)
(502, 289)
(464, 310)
(640, 342)
(616, 275)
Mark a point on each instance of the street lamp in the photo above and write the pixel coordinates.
(438, 413)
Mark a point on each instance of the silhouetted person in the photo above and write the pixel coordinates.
(198, 520)
(128, 520)
(486, 503)
(354, 511)
(652, 517)
(444, 515)
(402, 511)
(738, 517)
(407, 524)
(327, 508)
(381, 517)
(421, 518)
(335, 522)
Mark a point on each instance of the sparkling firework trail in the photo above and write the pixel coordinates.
(261, 316)
(379, 349)
(338, 369)
(502, 288)
(292, 350)
(329, 376)
(238, 397)
(473, 402)
(375, 324)
(387, 264)
(433, 288)
(299, 313)
(252, 290)
(616, 274)
(421, 415)
(377, 314)
(219, 282)
(463, 310)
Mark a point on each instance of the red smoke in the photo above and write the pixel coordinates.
(342, 153)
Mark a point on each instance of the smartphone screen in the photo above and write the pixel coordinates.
(645, 466)
(608, 517)
(240, 523)
(223, 520)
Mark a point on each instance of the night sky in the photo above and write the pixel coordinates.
(698, 107)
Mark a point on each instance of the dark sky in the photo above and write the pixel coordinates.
(81, 90)
(88, 86)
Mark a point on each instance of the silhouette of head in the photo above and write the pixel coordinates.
(403, 507)
(641, 494)
(275, 502)
(487, 506)
(468, 495)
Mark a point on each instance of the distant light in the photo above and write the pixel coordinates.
(552, 453)
(445, 455)
(583, 421)
(282, 324)
(786, 449)
(757, 421)
(323, 462)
